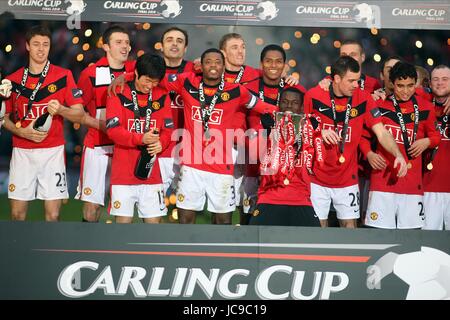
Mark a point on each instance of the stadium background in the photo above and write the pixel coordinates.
(310, 51)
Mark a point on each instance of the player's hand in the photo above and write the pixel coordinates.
(379, 94)
(330, 136)
(5, 88)
(54, 107)
(30, 134)
(447, 106)
(197, 64)
(376, 161)
(418, 147)
(154, 148)
(401, 163)
(324, 84)
(150, 137)
(119, 81)
(291, 80)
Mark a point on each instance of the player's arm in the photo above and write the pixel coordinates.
(85, 84)
(116, 126)
(432, 139)
(375, 159)
(251, 102)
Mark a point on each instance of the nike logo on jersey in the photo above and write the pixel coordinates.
(193, 91)
(383, 113)
(126, 105)
(323, 109)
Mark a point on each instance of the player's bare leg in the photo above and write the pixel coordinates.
(52, 208)
(18, 210)
(91, 212)
(324, 223)
(347, 223)
(120, 219)
(186, 216)
(223, 218)
(155, 220)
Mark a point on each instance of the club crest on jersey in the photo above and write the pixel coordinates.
(11, 187)
(52, 88)
(225, 96)
(180, 197)
(215, 118)
(374, 216)
(353, 112)
(156, 105)
(413, 116)
(87, 191)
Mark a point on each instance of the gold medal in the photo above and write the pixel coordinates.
(430, 166)
(286, 181)
(341, 159)
(18, 124)
(409, 166)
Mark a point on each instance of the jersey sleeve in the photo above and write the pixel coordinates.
(167, 125)
(116, 125)
(251, 102)
(174, 82)
(73, 95)
(431, 130)
(85, 84)
(373, 114)
(307, 103)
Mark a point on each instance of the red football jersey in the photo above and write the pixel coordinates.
(332, 173)
(368, 83)
(438, 179)
(176, 103)
(248, 75)
(58, 84)
(94, 82)
(214, 156)
(387, 180)
(121, 129)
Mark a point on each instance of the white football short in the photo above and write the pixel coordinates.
(95, 173)
(148, 198)
(38, 174)
(196, 186)
(251, 185)
(437, 210)
(345, 201)
(238, 156)
(389, 210)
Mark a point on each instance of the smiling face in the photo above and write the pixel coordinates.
(38, 48)
(291, 101)
(118, 47)
(145, 84)
(404, 88)
(272, 65)
(174, 45)
(234, 52)
(440, 82)
(213, 67)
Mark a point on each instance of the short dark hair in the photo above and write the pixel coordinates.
(186, 38)
(113, 29)
(223, 41)
(389, 59)
(212, 50)
(37, 31)
(272, 47)
(351, 41)
(403, 70)
(294, 90)
(344, 64)
(151, 65)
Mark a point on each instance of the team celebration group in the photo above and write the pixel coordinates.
(221, 135)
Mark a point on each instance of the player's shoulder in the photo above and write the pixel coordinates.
(316, 91)
(298, 87)
(59, 71)
(16, 76)
(424, 103)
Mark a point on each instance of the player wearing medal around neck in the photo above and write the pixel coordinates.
(344, 109)
(437, 173)
(268, 88)
(393, 202)
(95, 170)
(139, 120)
(284, 191)
(211, 110)
(38, 169)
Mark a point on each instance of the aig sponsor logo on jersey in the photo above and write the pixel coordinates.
(340, 127)
(36, 111)
(397, 133)
(132, 124)
(215, 118)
